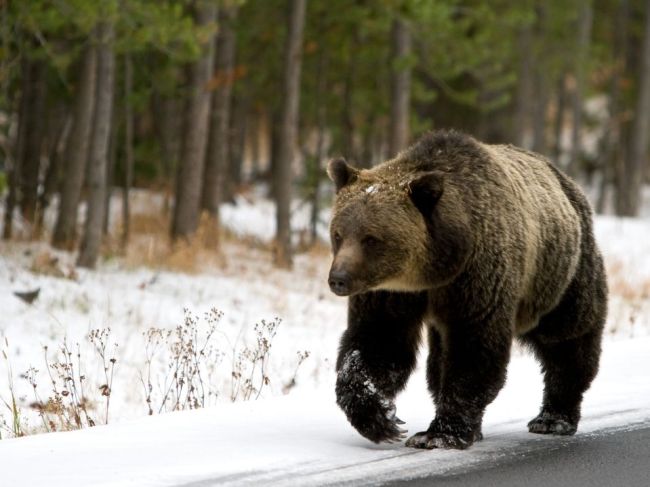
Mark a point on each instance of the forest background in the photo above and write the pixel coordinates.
(200, 100)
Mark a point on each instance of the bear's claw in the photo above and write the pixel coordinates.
(374, 419)
(384, 428)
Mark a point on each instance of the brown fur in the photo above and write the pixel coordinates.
(497, 239)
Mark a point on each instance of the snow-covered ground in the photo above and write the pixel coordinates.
(277, 436)
(302, 439)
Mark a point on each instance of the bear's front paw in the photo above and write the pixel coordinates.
(376, 421)
(368, 410)
(548, 423)
(440, 435)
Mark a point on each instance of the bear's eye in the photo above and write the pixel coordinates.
(370, 241)
(337, 239)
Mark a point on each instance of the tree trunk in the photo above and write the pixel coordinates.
(7, 37)
(347, 122)
(34, 136)
(540, 105)
(321, 117)
(216, 164)
(276, 136)
(288, 141)
(254, 140)
(629, 198)
(76, 154)
(195, 134)
(10, 202)
(18, 150)
(559, 118)
(585, 21)
(612, 153)
(523, 108)
(540, 84)
(368, 143)
(99, 153)
(624, 54)
(168, 124)
(59, 130)
(110, 167)
(400, 87)
(237, 133)
(128, 150)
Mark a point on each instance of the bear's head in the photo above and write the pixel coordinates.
(393, 230)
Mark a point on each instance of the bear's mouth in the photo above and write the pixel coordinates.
(340, 293)
(342, 284)
(343, 290)
(348, 293)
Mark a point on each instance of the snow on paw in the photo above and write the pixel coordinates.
(430, 440)
(384, 428)
(443, 433)
(373, 417)
(371, 413)
(549, 424)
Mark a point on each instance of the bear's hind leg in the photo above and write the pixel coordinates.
(569, 367)
(376, 357)
(567, 343)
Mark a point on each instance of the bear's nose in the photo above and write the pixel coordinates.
(339, 282)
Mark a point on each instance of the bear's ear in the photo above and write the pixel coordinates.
(342, 174)
(425, 190)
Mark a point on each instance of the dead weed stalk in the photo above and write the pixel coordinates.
(68, 405)
(194, 364)
(190, 357)
(15, 427)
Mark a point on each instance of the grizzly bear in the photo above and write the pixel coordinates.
(479, 244)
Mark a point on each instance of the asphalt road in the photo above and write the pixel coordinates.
(615, 458)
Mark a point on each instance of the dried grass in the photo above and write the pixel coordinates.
(150, 245)
(188, 367)
(211, 246)
(620, 285)
(47, 264)
(16, 426)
